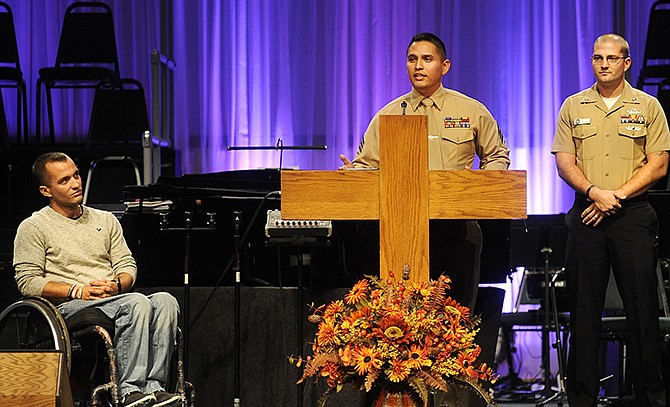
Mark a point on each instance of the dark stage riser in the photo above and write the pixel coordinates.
(269, 334)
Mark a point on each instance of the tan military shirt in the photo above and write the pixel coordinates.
(458, 128)
(611, 145)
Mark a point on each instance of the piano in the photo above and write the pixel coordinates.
(160, 253)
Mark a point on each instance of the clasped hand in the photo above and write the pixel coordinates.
(605, 203)
(98, 289)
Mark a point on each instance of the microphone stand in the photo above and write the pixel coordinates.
(299, 243)
(188, 228)
(238, 285)
(279, 146)
(551, 314)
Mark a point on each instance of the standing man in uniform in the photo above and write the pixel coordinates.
(458, 128)
(77, 257)
(611, 146)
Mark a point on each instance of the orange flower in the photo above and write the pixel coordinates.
(334, 308)
(393, 329)
(466, 361)
(366, 360)
(399, 370)
(485, 373)
(444, 279)
(453, 306)
(396, 331)
(345, 355)
(357, 293)
(394, 313)
(327, 334)
(362, 314)
(332, 374)
(418, 357)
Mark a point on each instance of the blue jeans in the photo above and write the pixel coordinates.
(144, 338)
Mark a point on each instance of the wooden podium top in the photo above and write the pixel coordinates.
(461, 194)
(404, 195)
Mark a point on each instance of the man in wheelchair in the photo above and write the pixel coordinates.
(77, 257)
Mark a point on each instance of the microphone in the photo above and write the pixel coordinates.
(404, 106)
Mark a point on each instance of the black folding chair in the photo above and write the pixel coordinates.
(11, 75)
(86, 55)
(656, 62)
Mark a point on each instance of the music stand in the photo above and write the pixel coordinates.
(541, 239)
(279, 146)
(551, 315)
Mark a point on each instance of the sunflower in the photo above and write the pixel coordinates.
(418, 357)
(393, 329)
(360, 317)
(366, 359)
(355, 326)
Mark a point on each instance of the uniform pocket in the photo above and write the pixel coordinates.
(457, 136)
(585, 142)
(632, 138)
(457, 147)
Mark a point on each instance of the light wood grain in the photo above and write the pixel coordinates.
(478, 194)
(31, 379)
(330, 195)
(403, 202)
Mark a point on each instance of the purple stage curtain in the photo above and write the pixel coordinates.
(251, 72)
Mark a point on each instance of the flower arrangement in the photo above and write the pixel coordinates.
(396, 333)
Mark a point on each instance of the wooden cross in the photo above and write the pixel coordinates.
(403, 195)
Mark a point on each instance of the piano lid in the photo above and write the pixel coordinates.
(240, 183)
(266, 180)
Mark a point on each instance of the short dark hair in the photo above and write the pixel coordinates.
(433, 39)
(40, 166)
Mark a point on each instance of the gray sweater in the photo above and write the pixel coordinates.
(52, 247)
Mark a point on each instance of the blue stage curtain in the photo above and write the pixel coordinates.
(314, 72)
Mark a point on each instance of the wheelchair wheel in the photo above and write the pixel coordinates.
(34, 323)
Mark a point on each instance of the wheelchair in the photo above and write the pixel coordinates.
(85, 341)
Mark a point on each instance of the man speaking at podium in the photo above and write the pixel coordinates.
(458, 128)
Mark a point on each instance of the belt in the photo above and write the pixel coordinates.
(580, 199)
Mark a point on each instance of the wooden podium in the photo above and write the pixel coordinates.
(403, 195)
(34, 379)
